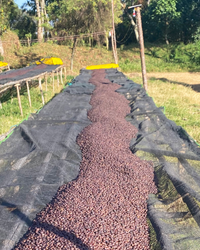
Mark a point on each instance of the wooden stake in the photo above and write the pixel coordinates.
(40, 86)
(65, 69)
(58, 78)
(45, 81)
(61, 76)
(141, 42)
(141, 39)
(53, 81)
(19, 99)
(114, 44)
(28, 91)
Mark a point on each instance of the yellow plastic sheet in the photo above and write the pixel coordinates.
(3, 64)
(50, 61)
(103, 66)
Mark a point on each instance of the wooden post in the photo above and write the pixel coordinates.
(45, 81)
(28, 91)
(19, 99)
(65, 69)
(40, 86)
(53, 82)
(58, 78)
(141, 42)
(61, 76)
(141, 39)
(114, 45)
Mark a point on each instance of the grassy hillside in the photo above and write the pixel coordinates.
(181, 102)
(159, 58)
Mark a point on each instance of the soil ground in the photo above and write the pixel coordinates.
(182, 78)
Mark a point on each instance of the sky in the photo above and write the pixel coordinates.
(19, 2)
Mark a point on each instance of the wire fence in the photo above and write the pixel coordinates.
(61, 38)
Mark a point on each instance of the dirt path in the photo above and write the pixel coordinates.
(182, 78)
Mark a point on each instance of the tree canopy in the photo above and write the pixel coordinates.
(163, 20)
(9, 13)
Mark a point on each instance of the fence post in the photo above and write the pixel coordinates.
(40, 86)
(28, 91)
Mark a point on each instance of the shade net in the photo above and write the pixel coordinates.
(24, 73)
(175, 211)
(39, 157)
(42, 154)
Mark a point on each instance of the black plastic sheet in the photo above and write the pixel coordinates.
(175, 210)
(39, 157)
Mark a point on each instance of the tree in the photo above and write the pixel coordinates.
(164, 11)
(24, 25)
(39, 8)
(189, 19)
(8, 13)
(129, 13)
(39, 15)
(88, 16)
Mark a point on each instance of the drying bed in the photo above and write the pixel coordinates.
(102, 204)
(25, 73)
(105, 208)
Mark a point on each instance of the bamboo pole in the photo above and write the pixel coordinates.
(19, 99)
(40, 86)
(28, 91)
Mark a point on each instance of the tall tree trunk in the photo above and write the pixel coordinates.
(107, 41)
(73, 53)
(114, 43)
(148, 2)
(45, 18)
(134, 27)
(166, 33)
(132, 22)
(39, 29)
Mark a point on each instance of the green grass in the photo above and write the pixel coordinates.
(181, 104)
(154, 244)
(161, 58)
(10, 112)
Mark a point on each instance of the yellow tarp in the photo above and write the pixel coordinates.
(50, 61)
(3, 64)
(102, 66)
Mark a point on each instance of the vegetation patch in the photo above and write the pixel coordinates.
(10, 113)
(181, 103)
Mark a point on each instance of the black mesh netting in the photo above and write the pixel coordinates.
(40, 156)
(175, 211)
(27, 72)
